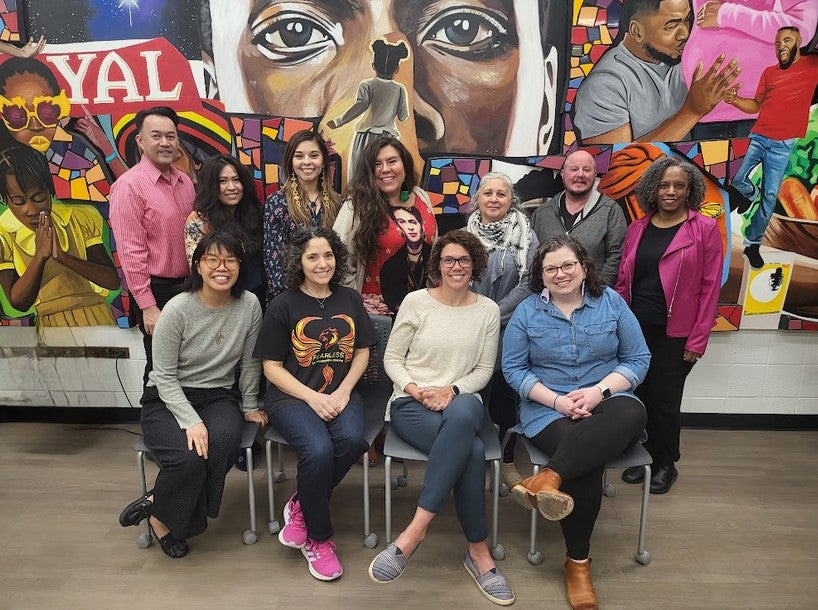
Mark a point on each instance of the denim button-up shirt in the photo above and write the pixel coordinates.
(541, 344)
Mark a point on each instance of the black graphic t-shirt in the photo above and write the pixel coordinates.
(315, 344)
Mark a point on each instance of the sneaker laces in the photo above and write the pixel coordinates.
(320, 548)
(297, 516)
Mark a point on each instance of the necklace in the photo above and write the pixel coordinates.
(319, 301)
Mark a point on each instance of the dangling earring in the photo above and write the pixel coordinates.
(582, 289)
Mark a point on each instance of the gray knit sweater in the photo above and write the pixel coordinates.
(195, 346)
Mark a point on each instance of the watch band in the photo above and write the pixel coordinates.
(455, 390)
(606, 391)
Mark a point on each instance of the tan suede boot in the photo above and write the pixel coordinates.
(509, 475)
(578, 585)
(542, 491)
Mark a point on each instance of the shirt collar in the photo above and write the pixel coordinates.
(155, 174)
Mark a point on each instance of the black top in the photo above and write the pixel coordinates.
(647, 297)
(314, 342)
(568, 219)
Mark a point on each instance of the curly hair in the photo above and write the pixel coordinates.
(226, 242)
(298, 245)
(294, 192)
(515, 196)
(647, 189)
(470, 242)
(246, 220)
(371, 208)
(593, 279)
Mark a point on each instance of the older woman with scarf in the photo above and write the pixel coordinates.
(503, 228)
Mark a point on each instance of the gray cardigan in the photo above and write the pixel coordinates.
(601, 229)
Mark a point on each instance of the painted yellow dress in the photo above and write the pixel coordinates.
(65, 297)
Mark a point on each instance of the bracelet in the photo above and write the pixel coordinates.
(111, 157)
(556, 398)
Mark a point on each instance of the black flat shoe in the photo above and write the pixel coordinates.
(634, 475)
(663, 478)
(137, 511)
(173, 548)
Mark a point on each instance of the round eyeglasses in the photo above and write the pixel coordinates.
(211, 261)
(567, 267)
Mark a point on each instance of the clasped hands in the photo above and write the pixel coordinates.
(434, 399)
(329, 406)
(579, 403)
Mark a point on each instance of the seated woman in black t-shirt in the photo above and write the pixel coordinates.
(314, 344)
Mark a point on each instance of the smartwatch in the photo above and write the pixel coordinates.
(606, 392)
(455, 390)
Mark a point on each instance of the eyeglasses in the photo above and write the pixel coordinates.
(568, 267)
(449, 261)
(231, 263)
(47, 108)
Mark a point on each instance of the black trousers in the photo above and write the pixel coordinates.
(662, 393)
(503, 403)
(579, 450)
(188, 488)
(163, 289)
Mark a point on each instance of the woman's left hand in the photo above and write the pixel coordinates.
(691, 357)
(436, 399)
(585, 400)
(257, 416)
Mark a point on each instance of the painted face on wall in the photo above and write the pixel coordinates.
(31, 110)
(665, 32)
(26, 206)
(786, 47)
(476, 73)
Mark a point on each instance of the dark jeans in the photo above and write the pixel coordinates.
(503, 403)
(661, 391)
(579, 450)
(188, 488)
(326, 451)
(457, 457)
(163, 289)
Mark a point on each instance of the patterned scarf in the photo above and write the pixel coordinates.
(511, 232)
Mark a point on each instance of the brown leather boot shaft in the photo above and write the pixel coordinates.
(578, 586)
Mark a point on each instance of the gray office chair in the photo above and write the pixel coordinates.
(375, 388)
(248, 436)
(395, 447)
(635, 455)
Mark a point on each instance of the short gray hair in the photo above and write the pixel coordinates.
(515, 197)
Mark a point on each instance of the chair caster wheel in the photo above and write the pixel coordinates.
(643, 557)
(498, 552)
(144, 540)
(280, 477)
(504, 491)
(401, 480)
(249, 537)
(535, 559)
(371, 541)
(273, 527)
(609, 490)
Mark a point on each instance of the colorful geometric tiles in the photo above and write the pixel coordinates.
(451, 182)
(76, 170)
(10, 21)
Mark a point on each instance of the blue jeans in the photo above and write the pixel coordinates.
(457, 457)
(326, 451)
(773, 156)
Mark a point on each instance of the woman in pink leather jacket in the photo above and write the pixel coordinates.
(670, 276)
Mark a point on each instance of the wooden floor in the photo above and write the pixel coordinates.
(739, 530)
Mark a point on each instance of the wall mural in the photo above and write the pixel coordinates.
(486, 85)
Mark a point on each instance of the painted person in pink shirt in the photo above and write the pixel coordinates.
(149, 205)
(748, 28)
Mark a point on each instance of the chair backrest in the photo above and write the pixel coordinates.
(374, 372)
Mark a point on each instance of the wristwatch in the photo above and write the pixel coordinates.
(606, 391)
(455, 390)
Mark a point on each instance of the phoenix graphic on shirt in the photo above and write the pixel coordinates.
(329, 347)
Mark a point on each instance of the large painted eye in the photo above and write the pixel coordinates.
(469, 33)
(291, 37)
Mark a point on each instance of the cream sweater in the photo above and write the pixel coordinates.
(436, 345)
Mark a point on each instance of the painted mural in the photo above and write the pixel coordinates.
(483, 85)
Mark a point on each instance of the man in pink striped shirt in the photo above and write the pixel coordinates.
(148, 207)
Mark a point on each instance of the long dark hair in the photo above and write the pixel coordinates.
(298, 245)
(370, 205)
(593, 279)
(296, 197)
(246, 221)
(220, 240)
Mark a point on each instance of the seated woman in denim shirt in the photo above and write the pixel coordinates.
(574, 352)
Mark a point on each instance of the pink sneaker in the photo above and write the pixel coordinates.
(294, 532)
(322, 560)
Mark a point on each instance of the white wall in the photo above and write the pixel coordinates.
(749, 371)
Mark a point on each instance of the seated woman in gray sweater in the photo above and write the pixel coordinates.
(192, 417)
(435, 405)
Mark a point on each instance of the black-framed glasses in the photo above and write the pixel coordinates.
(568, 267)
(211, 261)
(449, 261)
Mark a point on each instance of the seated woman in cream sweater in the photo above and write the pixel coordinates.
(436, 408)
